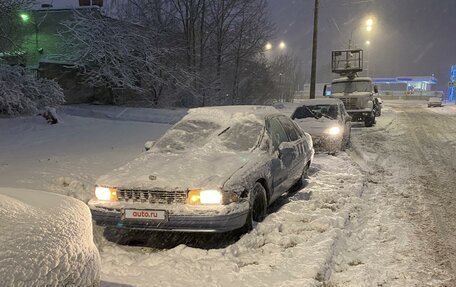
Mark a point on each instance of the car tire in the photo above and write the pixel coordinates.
(369, 121)
(258, 206)
(305, 174)
(346, 142)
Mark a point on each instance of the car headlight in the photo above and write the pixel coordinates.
(334, 131)
(106, 193)
(204, 196)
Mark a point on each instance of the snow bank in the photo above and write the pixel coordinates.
(68, 158)
(445, 110)
(46, 240)
(293, 246)
(160, 116)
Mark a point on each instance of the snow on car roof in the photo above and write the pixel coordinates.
(326, 101)
(223, 113)
(250, 109)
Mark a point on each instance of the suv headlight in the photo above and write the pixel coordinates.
(334, 131)
(106, 193)
(204, 196)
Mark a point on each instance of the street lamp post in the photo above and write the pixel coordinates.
(313, 74)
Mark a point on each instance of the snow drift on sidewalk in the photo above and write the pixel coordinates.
(46, 240)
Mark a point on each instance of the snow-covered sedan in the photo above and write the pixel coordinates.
(216, 170)
(327, 121)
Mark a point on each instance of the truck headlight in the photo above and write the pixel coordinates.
(106, 193)
(334, 131)
(204, 196)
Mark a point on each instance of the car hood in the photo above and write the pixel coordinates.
(316, 127)
(177, 171)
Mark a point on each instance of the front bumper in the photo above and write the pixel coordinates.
(326, 144)
(360, 115)
(212, 222)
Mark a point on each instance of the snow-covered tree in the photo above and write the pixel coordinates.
(286, 74)
(21, 93)
(115, 53)
(194, 52)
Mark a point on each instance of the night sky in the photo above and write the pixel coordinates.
(410, 37)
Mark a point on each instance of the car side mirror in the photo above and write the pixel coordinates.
(286, 151)
(149, 144)
(376, 89)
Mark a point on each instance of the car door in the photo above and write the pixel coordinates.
(279, 167)
(297, 142)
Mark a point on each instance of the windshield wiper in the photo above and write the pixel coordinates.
(224, 131)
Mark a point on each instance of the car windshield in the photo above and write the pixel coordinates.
(316, 111)
(351, 87)
(189, 134)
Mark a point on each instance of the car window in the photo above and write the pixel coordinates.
(302, 113)
(289, 129)
(241, 136)
(187, 134)
(351, 87)
(277, 133)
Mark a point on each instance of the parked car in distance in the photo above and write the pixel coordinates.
(435, 102)
(216, 170)
(327, 121)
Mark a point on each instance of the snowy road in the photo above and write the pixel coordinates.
(388, 221)
(405, 237)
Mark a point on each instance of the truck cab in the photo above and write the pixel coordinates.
(358, 96)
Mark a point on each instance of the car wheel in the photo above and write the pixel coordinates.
(258, 206)
(369, 121)
(305, 174)
(346, 142)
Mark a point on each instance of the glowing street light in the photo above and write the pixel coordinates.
(24, 17)
(369, 27)
(282, 45)
(268, 46)
(368, 43)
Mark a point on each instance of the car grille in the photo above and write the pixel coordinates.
(350, 103)
(151, 196)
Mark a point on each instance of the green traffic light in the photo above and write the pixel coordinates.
(24, 17)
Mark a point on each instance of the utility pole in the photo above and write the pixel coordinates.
(313, 75)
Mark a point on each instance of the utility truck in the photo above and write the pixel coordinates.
(357, 93)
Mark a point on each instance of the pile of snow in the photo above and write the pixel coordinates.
(160, 116)
(293, 246)
(449, 109)
(46, 240)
